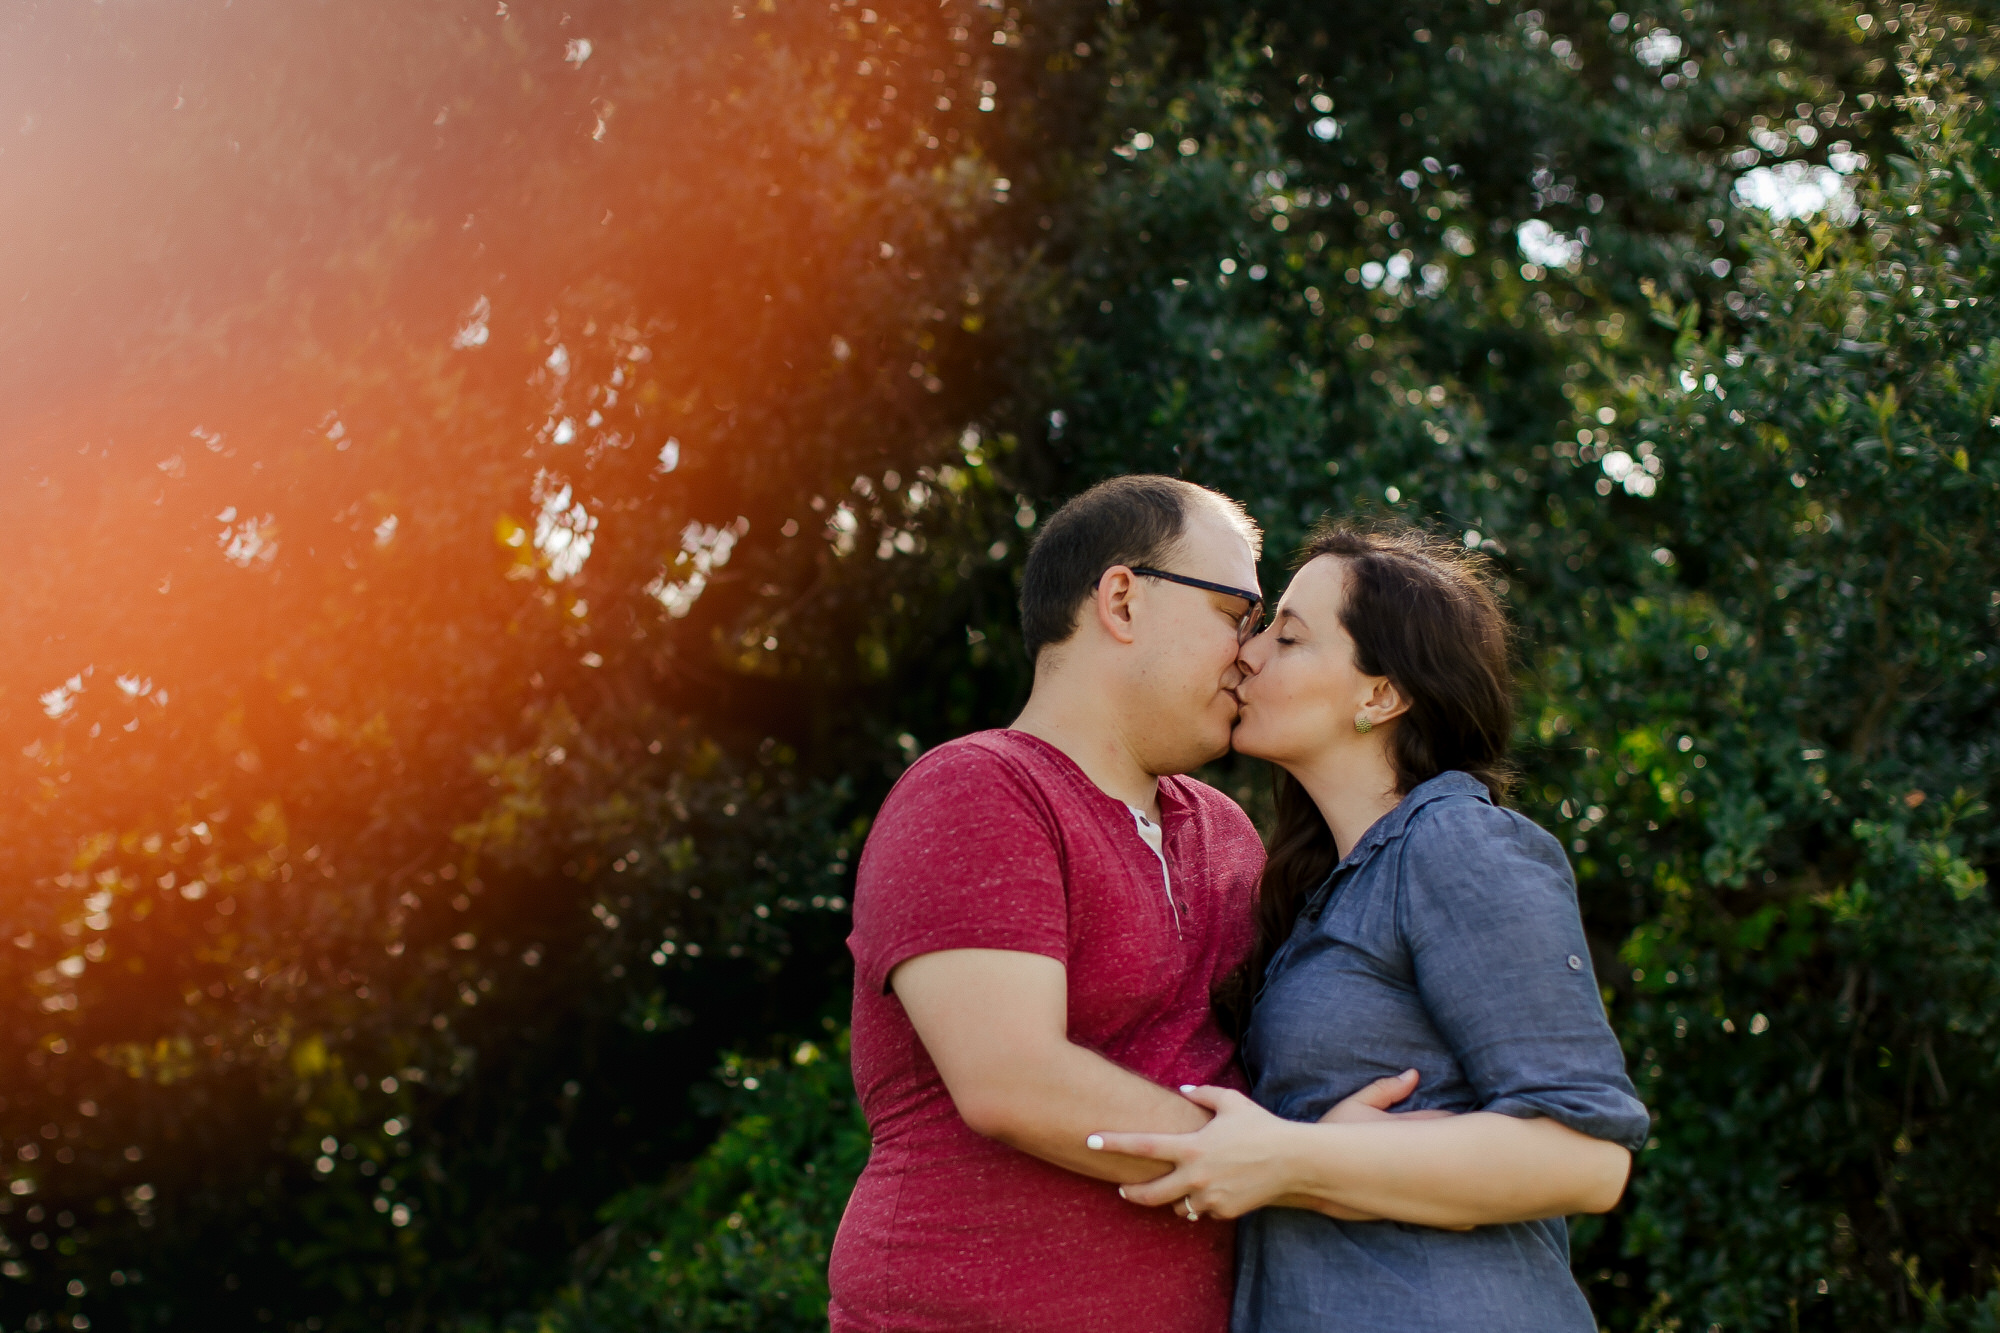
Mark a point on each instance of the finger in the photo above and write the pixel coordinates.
(1433, 1114)
(1170, 1188)
(1384, 1093)
(1211, 1097)
(1155, 1146)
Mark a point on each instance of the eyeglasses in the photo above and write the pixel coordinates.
(1247, 624)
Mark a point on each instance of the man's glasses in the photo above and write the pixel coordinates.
(1247, 624)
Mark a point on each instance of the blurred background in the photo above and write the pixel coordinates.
(500, 488)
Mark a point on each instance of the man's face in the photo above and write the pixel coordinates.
(1185, 675)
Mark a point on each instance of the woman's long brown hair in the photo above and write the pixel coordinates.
(1422, 612)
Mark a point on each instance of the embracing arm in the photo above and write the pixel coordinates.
(1501, 964)
(996, 1024)
(1460, 1171)
(1452, 1172)
(1488, 908)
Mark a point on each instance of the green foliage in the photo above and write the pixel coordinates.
(1782, 748)
(740, 1239)
(510, 655)
(1306, 287)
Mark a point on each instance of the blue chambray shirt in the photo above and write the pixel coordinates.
(1447, 940)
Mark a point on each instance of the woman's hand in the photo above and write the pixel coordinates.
(1232, 1165)
(1236, 1163)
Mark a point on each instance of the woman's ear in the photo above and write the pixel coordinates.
(1385, 702)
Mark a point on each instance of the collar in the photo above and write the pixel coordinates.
(1390, 826)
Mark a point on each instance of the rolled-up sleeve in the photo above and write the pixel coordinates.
(1488, 908)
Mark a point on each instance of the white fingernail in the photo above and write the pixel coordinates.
(1094, 1141)
(1187, 1087)
(1121, 1191)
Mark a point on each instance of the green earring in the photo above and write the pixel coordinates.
(1363, 724)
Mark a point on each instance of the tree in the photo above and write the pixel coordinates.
(1786, 737)
(444, 683)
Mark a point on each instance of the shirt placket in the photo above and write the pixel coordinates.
(1314, 905)
(1140, 822)
(1177, 895)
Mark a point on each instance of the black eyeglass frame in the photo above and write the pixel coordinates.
(1247, 624)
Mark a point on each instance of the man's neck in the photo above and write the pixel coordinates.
(1352, 791)
(1091, 736)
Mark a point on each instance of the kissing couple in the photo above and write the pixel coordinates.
(1127, 1070)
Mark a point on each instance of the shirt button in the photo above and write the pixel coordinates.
(1575, 963)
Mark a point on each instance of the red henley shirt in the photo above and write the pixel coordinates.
(999, 841)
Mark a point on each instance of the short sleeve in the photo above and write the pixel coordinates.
(964, 855)
(1488, 907)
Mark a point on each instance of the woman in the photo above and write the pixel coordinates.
(1410, 927)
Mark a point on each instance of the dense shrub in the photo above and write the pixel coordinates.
(740, 1239)
(1782, 748)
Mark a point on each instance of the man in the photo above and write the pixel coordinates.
(1040, 914)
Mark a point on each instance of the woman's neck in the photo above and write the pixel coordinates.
(1353, 788)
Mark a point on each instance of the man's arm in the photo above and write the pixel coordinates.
(996, 1025)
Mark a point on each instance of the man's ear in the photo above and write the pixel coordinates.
(1385, 702)
(1117, 589)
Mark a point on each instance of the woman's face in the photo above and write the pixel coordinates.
(1302, 688)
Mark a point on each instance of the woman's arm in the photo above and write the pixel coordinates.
(1488, 909)
(1460, 1171)
(1471, 1170)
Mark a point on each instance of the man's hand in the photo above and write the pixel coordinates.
(1373, 1102)
(996, 1024)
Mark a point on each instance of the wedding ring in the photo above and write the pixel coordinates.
(1187, 1201)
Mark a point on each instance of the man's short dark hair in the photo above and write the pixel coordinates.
(1136, 520)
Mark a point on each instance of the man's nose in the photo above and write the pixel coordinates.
(1246, 665)
(1236, 674)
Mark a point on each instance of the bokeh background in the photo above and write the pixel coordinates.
(498, 490)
